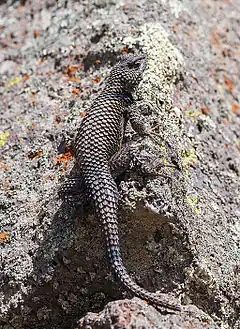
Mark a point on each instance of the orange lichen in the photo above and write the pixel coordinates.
(64, 158)
(229, 147)
(20, 8)
(83, 114)
(124, 50)
(175, 28)
(69, 73)
(4, 166)
(72, 79)
(76, 92)
(205, 110)
(235, 108)
(34, 155)
(71, 70)
(208, 321)
(96, 80)
(216, 40)
(4, 237)
(35, 33)
(33, 95)
(27, 76)
(228, 84)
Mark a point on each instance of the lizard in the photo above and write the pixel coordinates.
(96, 147)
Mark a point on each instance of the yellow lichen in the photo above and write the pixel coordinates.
(189, 157)
(14, 81)
(4, 137)
(192, 200)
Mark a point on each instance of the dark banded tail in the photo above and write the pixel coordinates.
(121, 273)
(105, 195)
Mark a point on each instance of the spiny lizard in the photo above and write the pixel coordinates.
(97, 142)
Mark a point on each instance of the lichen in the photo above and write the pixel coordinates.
(4, 137)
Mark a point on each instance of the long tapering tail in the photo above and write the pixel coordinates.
(127, 281)
(103, 191)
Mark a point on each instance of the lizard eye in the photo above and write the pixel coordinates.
(134, 65)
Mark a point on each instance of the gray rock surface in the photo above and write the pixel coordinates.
(133, 314)
(180, 231)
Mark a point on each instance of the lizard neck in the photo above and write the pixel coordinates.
(118, 93)
(116, 87)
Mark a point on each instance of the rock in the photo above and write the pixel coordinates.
(136, 314)
(179, 229)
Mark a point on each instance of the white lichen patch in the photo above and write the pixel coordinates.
(176, 6)
(165, 69)
(165, 63)
(165, 121)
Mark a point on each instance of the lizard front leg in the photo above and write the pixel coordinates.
(73, 189)
(129, 157)
(137, 119)
(126, 157)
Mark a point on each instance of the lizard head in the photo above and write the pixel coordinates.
(127, 73)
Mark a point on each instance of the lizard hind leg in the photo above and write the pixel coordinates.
(121, 160)
(73, 191)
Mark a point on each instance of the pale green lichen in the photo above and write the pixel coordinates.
(165, 63)
(193, 201)
(189, 157)
(165, 70)
(194, 116)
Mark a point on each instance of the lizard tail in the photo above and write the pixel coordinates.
(127, 281)
(104, 192)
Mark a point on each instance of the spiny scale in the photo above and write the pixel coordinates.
(98, 139)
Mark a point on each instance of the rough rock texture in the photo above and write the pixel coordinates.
(129, 314)
(180, 231)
